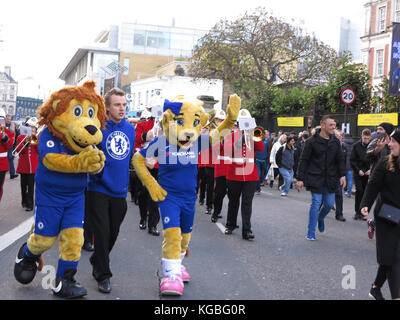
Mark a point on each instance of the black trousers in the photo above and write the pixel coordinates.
(2, 178)
(339, 201)
(361, 184)
(87, 229)
(27, 189)
(201, 182)
(219, 193)
(209, 176)
(134, 186)
(237, 190)
(105, 215)
(392, 275)
(280, 178)
(147, 207)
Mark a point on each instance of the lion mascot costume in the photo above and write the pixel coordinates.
(73, 117)
(177, 152)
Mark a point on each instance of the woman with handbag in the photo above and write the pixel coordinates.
(385, 182)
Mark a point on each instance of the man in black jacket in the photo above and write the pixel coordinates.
(321, 163)
(361, 168)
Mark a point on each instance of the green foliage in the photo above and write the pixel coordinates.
(382, 98)
(262, 101)
(294, 102)
(348, 75)
(323, 98)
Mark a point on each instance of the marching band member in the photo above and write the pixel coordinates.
(220, 167)
(6, 143)
(27, 147)
(241, 177)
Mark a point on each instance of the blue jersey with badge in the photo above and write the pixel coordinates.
(57, 189)
(117, 145)
(177, 172)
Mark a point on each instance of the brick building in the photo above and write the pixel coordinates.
(377, 37)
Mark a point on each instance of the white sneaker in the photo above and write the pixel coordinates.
(283, 194)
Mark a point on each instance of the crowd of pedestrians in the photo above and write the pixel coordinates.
(323, 160)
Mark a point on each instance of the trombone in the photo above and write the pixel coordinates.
(32, 139)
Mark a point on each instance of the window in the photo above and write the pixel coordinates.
(139, 38)
(379, 63)
(126, 64)
(381, 19)
(397, 11)
(157, 39)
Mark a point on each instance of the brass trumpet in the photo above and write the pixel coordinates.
(258, 133)
(33, 139)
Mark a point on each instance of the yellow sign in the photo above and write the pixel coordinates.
(375, 119)
(291, 122)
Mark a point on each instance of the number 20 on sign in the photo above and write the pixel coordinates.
(348, 96)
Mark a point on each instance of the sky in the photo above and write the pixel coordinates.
(40, 37)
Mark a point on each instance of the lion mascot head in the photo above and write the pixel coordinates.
(75, 115)
(183, 120)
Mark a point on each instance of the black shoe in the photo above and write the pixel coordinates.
(271, 184)
(142, 224)
(376, 294)
(13, 176)
(228, 231)
(341, 218)
(104, 286)
(214, 217)
(154, 231)
(28, 209)
(358, 217)
(88, 246)
(209, 211)
(25, 268)
(201, 202)
(67, 287)
(248, 235)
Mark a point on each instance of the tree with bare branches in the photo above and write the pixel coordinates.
(258, 50)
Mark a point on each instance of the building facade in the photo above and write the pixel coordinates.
(137, 51)
(152, 91)
(27, 107)
(377, 37)
(8, 92)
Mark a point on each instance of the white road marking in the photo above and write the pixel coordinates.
(13, 235)
(221, 227)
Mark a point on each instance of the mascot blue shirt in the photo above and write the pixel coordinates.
(177, 172)
(56, 189)
(117, 145)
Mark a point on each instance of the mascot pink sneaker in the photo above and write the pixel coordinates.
(171, 285)
(185, 275)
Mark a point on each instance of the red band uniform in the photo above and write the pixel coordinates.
(241, 179)
(27, 164)
(6, 143)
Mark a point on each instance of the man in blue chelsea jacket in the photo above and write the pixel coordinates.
(107, 190)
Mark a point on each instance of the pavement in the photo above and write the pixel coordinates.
(280, 264)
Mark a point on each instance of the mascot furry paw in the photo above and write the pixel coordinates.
(177, 152)
(73, 117)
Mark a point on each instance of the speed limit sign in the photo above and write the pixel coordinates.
(348, 96)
